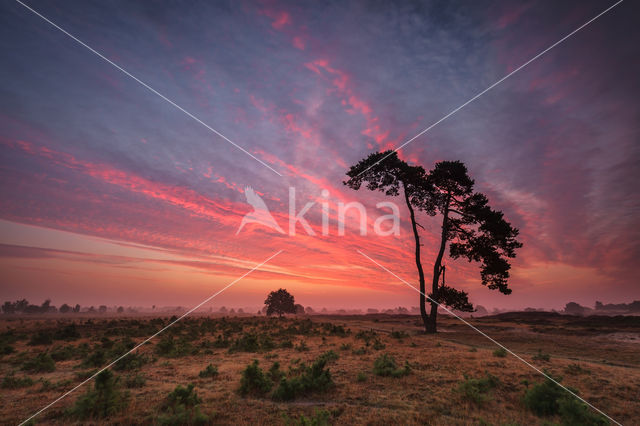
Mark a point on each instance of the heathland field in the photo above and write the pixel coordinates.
(320, 370)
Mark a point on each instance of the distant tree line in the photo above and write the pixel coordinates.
(23, 306)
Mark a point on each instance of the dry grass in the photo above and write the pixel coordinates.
(608, 377)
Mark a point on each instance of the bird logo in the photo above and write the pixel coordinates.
(260, 213)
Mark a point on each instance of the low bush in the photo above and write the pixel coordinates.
(360, 351)
(275, 374)
(378, 345)
(367, 336)
(309, 380)
(345, 346)
(58, 386)
(137, 381)
(334, 330)
(182, 407)
(361, 377)
(68, 332)
(41, 337)
(12, 382)
(210, 371)
(548, 399)
(254, 381)
(63, 353)
(475, 390)
(329, 356)
(574, 412)
(302, 346)
(385, 365)
(399, 335)
(42, 363)
(319, 418)
(542, 398)
(248, 342)
(174, 348)
(104, 400)
(576, 369)
(133, 361)
(541, 356)
(500, 353)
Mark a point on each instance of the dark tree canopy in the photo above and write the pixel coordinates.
(471, 228)
(280, 302)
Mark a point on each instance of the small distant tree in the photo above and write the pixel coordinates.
(309, 310)
(102, 309)
(280, 302)
(9, 308)
(21, 305)
(120, 309)
(573, 308)
(299, 309)
(76, 308)
(65, 309)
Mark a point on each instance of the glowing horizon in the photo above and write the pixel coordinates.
(111, 196)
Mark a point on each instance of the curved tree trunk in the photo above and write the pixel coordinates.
(423, 310)
(431, 326)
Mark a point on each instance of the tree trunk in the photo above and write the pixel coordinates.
(423, 309)
(431, 326)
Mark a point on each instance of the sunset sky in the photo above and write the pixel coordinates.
(112, 195)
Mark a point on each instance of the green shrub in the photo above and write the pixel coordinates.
(275, 374)
(42, 363)
(171, 348)
(137, 381)
(329, 356)
(574, 412)
(12, 382)
(132, 361)
(287, 343)
(575, 369)
(254, 381)
(248, 342)
(104, 400)
(319, 418)
(473, 349)
(334, 330)
(345, 346)
(367, 336)
(309, 379)
(302, 346)
(48, 386)
(542, 398)
(210, 371)
(500, 352)
(41, 338)
(63, 353)
(548, 399)
(361, 377)
(475, 390)
(541, 356)
(399, 334)
(68, 332)
(182, 407)
(385, 365)
(97, 358)
(359, 351)
(378, 345)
